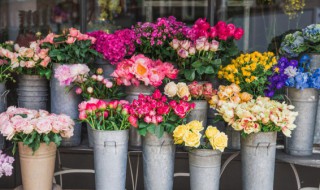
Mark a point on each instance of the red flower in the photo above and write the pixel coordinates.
(102, 105)
(133, 121)
(231, 29)
(157, 94)
(173, 103)
(238, 33)
(91, 107)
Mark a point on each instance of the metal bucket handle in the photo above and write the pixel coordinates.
(108, 143)
(263, 143)
(286, 96)
(162, 145)
(3, 96)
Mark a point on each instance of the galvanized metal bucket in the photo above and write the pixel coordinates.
(106, 66)
(315, 64)
(306, 104)
(158, 162)
(204, 166)
(132, 92)
(234, 138)
(32, 92)
(110, 159)
(64, 102)
(200, 112)
(258, 153)
(90, 136)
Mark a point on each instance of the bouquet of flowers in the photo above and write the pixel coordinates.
(6, 54)
(102, 115)
(250, 71)
(33, 127)
(88, 86)
(189, 135)
(293, 44)
(70, 47)
(254, 115)
(155, 114)
(139, 69)
(31, 60)
(6, 164)
(114, 47)
(195, 90)
(152, 39)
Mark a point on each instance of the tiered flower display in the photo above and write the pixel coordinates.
(70, 47)
(6, 164)
(250, 71)
(33, 127)
(114, 47)
(140, 69)
(189, 135)
(103, 115)
(155, 114)
(194, 91)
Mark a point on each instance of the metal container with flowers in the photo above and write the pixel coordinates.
(258, 120)
(156, 118)
(37, 134)
(110, 122)
(204, 159)
(70, 48)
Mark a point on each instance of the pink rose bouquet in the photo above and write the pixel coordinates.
(114, 47)
(6, 53)
(156, 114)
(6, 164)
(103, 115)
(139, 69)
(33, 127)
(70, 47)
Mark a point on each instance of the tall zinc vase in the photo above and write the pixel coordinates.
(37, 168)
(107, 67)
(3, 107)
(204, 166)
(65, 102)
(234, 138)
(258, 151)
(110, 159)
(32, 92)
(306, 104)
(158, 162)
(132, 92)
(315, 64)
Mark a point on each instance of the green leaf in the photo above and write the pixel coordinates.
(189, 74)
(142, 131)
(151, 128)
(196, 64)
(201, 70)
(142, 125)
(159, 131)
(209, 70)
(46, 139)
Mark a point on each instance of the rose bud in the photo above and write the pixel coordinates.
(82, 115)
(78, 91)
(133, 121)
(105, 114)
(90, 90)
(99, 71)
(102, 105)
(94, 77)
(100, 78)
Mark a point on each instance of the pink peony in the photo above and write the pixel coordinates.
(133, 121)
(43, 125)
(70, 40)
(238, 33)
(74, 32)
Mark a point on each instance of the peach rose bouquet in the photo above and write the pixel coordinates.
(189, 135)
(33, 127)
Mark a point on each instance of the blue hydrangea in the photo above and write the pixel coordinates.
(293, 44)
(312, 33)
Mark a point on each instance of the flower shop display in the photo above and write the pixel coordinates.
(37, 134)
(156, 117)
(250, 71)
(5, 164)
(141, 74)
(110, 123)
(204, 160)
(114, 48)
(258, 120)
(71, 47)
(198, 93)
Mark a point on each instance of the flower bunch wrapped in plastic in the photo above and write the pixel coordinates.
(293, 44)
(33, 127)
(155, 114)
(197, 60)
(189, 135)
(114, 47)
(139, 69)
(68, 74)
(259, 115)
(193, 91)
(6, 164)
(152, 39)
(250, 71)
(102, 115)
(312, 33)
(31, 60)
(6, 55)
(70, 47)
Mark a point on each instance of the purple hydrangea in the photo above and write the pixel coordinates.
(6, 164)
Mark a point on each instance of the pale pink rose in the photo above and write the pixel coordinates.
(43, 53)
(26, 52)
(109, 84)
(36, 58)
(185, 44)
(67, 133)
(100, 78)
(43, 113)
(28, 128)
(175, 44)
(70, 40)
(30, 64)
(82, 106)
(214, 46)
(22, 63)
(74, 32)
(192, 50)
(200, 43)
(8, 130)
(34, 45)
(16, 47)
(82, 115)
(183, 53)
(206, 46)
(18, 123)
(43, 125)
(45, 62)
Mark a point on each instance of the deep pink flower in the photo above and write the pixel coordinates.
(157, 94)
(238, 33)
(133, 121)
(102, 105)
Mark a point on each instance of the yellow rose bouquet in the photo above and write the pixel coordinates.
(250, 71)
(190, 135)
